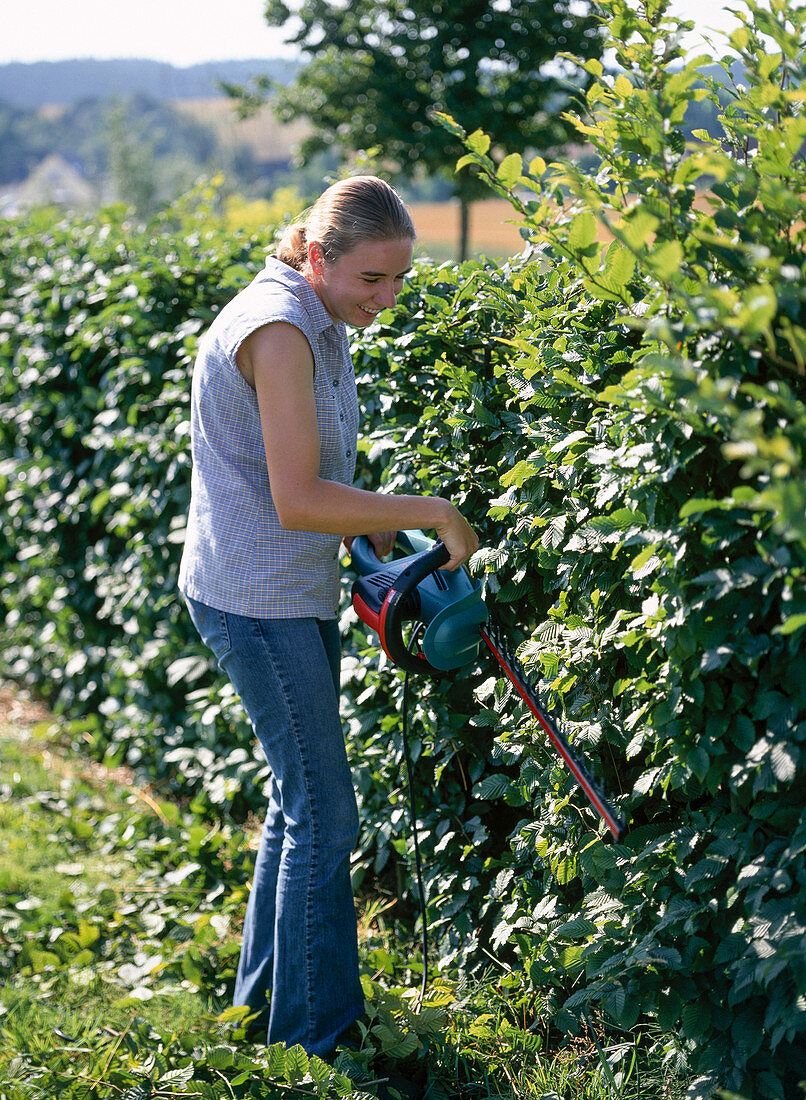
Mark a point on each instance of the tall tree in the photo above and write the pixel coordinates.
(377, 68)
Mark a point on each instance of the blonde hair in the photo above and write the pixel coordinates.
(348, 213)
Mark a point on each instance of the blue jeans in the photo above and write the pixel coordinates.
(299, 960)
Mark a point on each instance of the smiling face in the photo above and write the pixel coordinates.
(360, 283)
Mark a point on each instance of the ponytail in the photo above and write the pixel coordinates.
(293, 247)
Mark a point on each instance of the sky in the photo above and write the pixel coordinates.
(185, 32)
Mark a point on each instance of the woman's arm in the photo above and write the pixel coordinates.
(277, 360)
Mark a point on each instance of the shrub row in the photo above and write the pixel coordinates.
(623, 413)
(97, 330)
(622, 416)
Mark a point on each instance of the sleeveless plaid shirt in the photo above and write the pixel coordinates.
(237, 557)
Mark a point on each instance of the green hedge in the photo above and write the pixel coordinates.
(624, 422)
(97, 331)
(638, 417)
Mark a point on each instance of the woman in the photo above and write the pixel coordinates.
(274, 429)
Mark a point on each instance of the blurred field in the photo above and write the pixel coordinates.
(493, 228)
(269, 139)
(492, 232)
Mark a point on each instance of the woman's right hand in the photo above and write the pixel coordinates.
(458, 536)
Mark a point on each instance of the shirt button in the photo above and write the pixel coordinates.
(341, 416)
(349, 453)
(335, 381)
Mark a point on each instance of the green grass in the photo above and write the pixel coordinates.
(119, 929)
(53, 852)
(106, 915)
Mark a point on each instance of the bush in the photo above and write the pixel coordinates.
(637, 415)
(97, 336)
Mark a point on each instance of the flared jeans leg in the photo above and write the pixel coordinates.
(299, 952)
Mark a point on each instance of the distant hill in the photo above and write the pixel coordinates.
(43, 83)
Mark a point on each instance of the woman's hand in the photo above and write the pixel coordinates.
(459, 537)
(460, 540)
(383, 542)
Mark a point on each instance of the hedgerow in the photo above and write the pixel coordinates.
(620, 412)
(98, 329)
(633, 402)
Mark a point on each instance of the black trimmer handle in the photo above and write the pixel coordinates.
(363, 556)
(386, 612)
(365, 561)
(392, 612)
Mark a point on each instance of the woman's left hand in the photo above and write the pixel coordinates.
(383, 542)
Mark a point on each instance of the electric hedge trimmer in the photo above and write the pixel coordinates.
(450, 622)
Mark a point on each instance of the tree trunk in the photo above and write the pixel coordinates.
(464, 228)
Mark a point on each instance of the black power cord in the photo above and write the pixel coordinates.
(413, 818)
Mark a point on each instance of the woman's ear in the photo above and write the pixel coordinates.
(316, 257)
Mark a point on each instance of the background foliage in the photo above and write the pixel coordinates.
(92, 113)
(377, 69)
(624, 422)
